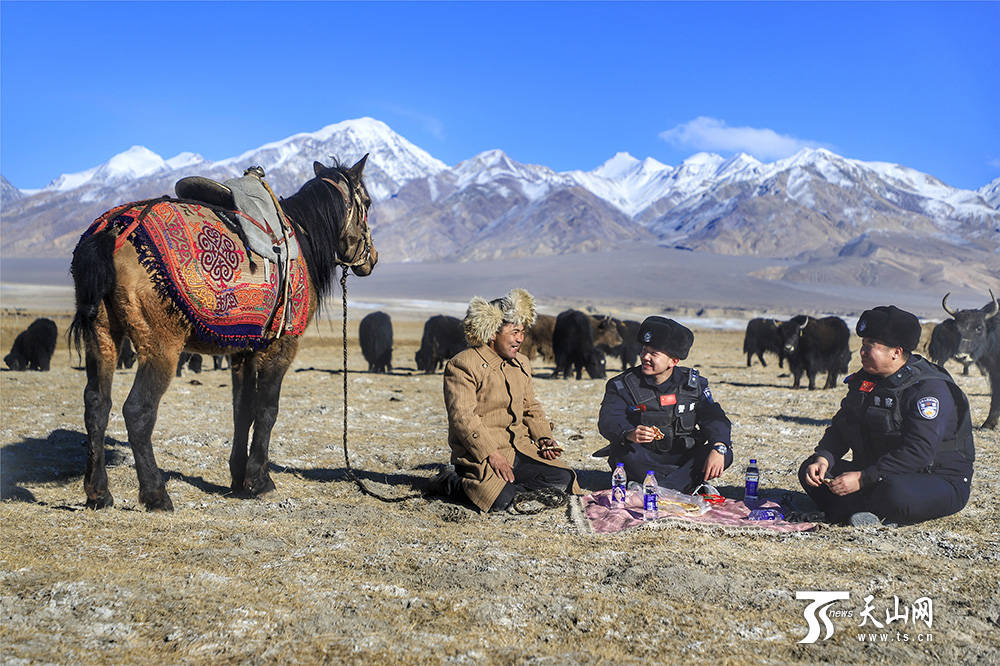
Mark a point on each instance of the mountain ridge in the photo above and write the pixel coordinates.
(814, 207)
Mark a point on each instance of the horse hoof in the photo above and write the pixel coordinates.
(262, 487)
(159, 503)
(103, 502)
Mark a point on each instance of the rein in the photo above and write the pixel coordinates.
(351, 476)
(367, 237)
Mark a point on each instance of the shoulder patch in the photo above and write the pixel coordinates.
(928, 407)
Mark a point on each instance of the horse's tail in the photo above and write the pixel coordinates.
(93, 273)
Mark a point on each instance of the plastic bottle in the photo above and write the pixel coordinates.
(766, 514)
(750, 497)
(619, 492)
(650, 494)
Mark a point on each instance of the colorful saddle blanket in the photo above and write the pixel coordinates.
(203, 268)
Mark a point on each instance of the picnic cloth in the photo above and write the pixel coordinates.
(604, 519)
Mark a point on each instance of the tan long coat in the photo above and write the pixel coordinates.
(491, 407)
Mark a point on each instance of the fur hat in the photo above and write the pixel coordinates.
(666, 335)
(484, 318)
(891, 326)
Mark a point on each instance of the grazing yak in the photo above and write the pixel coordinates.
(943, 345)
(763, 335)
(443, 338)
(33, 347)
(816, 345)
(375, 336)
(573, 345)
(538, 338)
(980, 342)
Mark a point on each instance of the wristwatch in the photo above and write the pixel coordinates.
(721, 448)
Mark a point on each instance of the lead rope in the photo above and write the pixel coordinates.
(347, 461)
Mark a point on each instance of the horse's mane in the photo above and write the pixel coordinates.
(319, 212)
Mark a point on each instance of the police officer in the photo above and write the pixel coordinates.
(660, 416)
(908, 426)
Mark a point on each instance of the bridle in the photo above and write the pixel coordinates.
(350, 193)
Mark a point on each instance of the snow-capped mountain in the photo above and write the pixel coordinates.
(8, 193)
(832, 215)
(991, 193)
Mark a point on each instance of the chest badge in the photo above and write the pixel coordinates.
(928, 407)
(667, 400)
(867, 386)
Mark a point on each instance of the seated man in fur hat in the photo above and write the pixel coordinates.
(661, 416)
(501, 441)
(908, 425)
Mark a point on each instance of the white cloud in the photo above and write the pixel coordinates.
(713, 135)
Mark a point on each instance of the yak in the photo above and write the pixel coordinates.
(573, 345)
(943, 345)
(443, 338)
(980, 343)
(375, 336)
(538, 338)
(33, 347)
(816, 345)
(763, 335)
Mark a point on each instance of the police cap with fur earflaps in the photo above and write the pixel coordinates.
(666, 335)
(890, 326)
(484, 318)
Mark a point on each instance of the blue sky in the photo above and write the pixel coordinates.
(566, 85)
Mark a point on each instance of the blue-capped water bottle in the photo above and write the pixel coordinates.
(650, 494)
(750, 497)
(619, 492)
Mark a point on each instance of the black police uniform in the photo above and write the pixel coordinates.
(682, 408)
(911, 437)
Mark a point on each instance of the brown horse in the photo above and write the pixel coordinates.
(118, 296)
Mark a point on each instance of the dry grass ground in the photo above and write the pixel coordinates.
(317, 572)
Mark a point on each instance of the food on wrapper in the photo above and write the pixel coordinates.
(657, 433)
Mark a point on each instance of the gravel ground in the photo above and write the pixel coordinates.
(318, 572)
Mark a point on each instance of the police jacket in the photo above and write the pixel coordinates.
(916, 420)
(681, 407)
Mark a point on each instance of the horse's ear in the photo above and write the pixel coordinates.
(358, 168)
(318, 167)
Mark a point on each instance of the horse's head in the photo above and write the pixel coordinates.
(355, 247)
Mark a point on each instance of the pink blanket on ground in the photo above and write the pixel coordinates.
(603, 519)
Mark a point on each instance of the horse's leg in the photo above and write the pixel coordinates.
(243, 368)
(102, 354)
(156, 368)
(271, 368)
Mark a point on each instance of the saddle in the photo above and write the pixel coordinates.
(257, 216)
(248, 204)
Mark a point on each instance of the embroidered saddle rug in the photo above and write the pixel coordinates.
(203, 268)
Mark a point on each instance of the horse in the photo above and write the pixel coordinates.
(117, 295)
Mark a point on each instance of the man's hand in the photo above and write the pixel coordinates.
(641, 435)
(816, 471)
(549, 448)
(501, 466)
(845, 484)
(715, 465)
